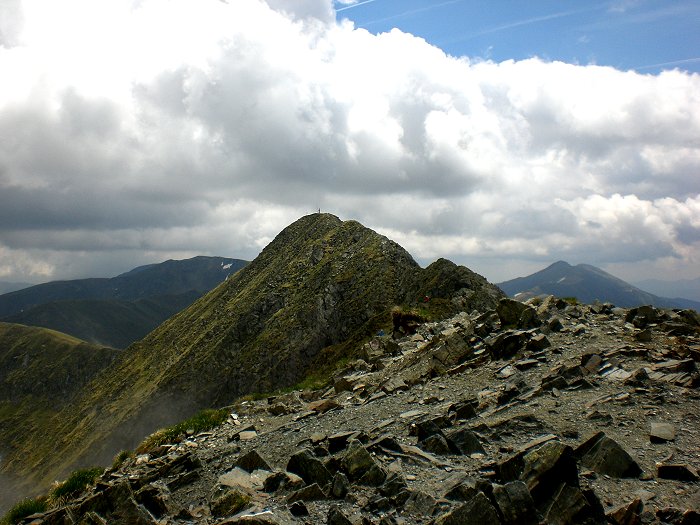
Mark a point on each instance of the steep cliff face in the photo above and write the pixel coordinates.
(313, 295)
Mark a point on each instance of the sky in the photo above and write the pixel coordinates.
(502, 135)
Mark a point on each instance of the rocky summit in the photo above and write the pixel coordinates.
(547, 412)
(310, 300)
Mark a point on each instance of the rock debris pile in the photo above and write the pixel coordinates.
(546, 412)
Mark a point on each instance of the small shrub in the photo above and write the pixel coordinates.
(203, 420)
(76, 483)
(571, 300)
(24, 508)
(120, 458)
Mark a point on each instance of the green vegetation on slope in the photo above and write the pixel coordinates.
(24, 508)
(41, 372)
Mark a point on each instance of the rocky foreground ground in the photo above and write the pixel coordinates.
(550, 413)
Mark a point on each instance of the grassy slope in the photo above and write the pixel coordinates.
(41, 371)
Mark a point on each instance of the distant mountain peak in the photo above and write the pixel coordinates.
(559, 264)
(588, 284)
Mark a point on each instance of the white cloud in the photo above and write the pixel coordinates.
(166, 127)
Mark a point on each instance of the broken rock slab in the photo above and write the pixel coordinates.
(477, 511)
(677, 471)
(515, 503)
(309, 468)
(605, 456)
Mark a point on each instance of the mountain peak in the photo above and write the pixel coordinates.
(559, 264)
(312, 298)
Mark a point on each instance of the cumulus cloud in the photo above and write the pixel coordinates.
(160, 128)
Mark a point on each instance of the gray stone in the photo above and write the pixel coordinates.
(464, 409)
(605, 456)
(309, 493)
(555, 324)
(547, 468)
(282, 480)
(252, 461)
(309, 468)
(239, 478)
(464, 441)
(627, 514)
(515, 503)
(298, 509)
(336, 516)
(426, 428)
(661, 432)
(154, 499)
(420, 504)
(463, 488)
(516, 314)
(436, 444)
(393, 485)
(361, 466)
(570, 507)
(265, 517)
(506, 344)
(477, 511)
(538, 342)
(229, 502)
(643, 336)
(340, 486)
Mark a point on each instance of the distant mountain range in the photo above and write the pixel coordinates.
(117, 311)
(587, 284)
(686, 288)
(7, 287)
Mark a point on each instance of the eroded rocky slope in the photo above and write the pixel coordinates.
(555, 413)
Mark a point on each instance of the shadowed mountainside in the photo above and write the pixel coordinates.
(120, 310)
(108, 322)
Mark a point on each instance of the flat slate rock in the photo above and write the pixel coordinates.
(661, 432)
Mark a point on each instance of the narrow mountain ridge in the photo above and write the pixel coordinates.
(318, 291)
